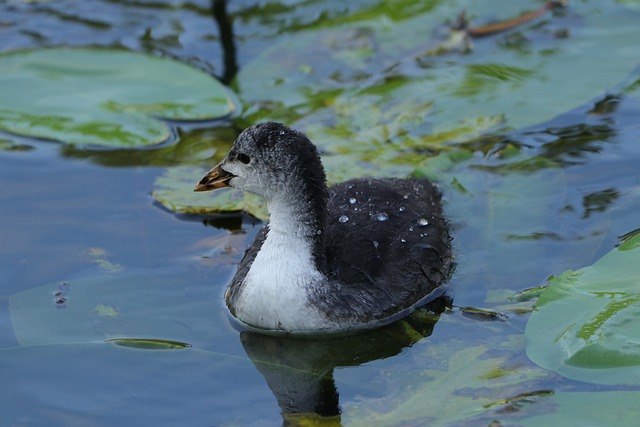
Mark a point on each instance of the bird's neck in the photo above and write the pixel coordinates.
(301, 222)
(287, 270)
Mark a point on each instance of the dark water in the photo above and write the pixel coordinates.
(86, 217)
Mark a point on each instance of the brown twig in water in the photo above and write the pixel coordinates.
(497, 27)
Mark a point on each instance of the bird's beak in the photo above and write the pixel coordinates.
(215, 178)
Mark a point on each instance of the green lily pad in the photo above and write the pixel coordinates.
(149, 344)
(103, 97)
(193, 148)
(504, 206)
(140, 304)
(385, 89)
(174, 190)
(587, 323)
(460, 382)
(610, 408)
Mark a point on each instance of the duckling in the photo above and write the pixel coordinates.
(355, 256)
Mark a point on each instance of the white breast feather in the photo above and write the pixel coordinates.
(275, 294)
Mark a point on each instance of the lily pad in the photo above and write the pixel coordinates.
(103, 97)
(385, 90)
(586, 325)
(156, 305)
(610, 408)
(459, 382)
(193, 148)
(504, 207)
(149, 344)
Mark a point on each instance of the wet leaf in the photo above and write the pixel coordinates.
(628, 241)
(99, 256)
(608, 408)
(149, 344)
(587, 322)
(106, 311)
(9, 145)
(462, 382)
(103, 97)
(361, 94)
(365, 87)
(311, 420)
(483, 314)
(193, 147)
(502, 214)
(156, 304)
(528, 294)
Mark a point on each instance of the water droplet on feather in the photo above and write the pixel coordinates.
(379, 217)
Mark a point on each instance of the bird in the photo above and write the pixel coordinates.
(343, 259)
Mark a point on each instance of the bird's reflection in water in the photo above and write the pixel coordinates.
(299, 371)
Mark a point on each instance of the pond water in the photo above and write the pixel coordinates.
(531, 133)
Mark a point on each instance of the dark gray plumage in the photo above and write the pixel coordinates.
(381, 245)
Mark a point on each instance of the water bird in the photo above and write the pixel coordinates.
(341, 259)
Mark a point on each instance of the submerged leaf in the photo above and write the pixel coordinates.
(369, 84)
(459, 383)
(9, 145)
(103, 97)
(149, 344)
(150, 303)
(106, 311)
(587, 323)
(605, 408)
(482, 314)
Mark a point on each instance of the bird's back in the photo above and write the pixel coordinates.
(387, 248)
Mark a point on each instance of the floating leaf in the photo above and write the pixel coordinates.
(99, 256)
(155, 304)
(102, 96)
(9, 145)
(460, 383)
(628, 241)
(149, 344)
(193, 147)
(482, 314)
(363, 87)
(587, 322)
(106, 311)
(609, 408)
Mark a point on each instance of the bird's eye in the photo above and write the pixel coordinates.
(243, 158)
